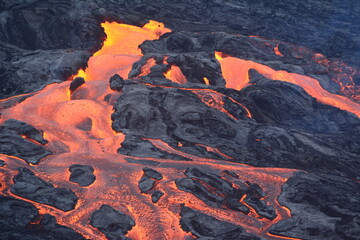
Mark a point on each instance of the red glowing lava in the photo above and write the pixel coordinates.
(59, 114)
(236, 74)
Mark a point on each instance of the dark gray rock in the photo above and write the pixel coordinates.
(31, 187)
(261, 207)
(146, 184)
(25, 71)
(196, 188)
(82, 174)
(204, 226)
(16, 213)
(116, 83)
(322, 207)
(114, 224)
(151, 173)
(76, 83)
(297, 133)
(143, 162)
(156, 195)
(217, 192)
(2, 163)
(285, 104)
(138, 147)
(14, 142)
(21, 220)
(25, 129)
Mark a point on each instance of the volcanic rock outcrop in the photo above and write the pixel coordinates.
(114, 224)
(21, 220)
(31, 187)
(15, 139)
(82, 174)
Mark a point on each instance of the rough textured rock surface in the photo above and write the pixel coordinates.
(204, 226)
(21, 220)
(31, 187)
(15, 139)
(291, 129)
(322, 207)
(138, 147)
(114, 224)
(218, 192)
(82, 174)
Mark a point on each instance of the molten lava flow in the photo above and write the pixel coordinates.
(235, 71)
(175, 74)
(78, 128)
(120, 49)
(277, 51)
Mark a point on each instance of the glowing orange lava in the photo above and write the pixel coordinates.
(62, 116)
(175, 74)
(236, 73)
(120, 49)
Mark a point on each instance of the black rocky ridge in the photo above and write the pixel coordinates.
(21, 220)
(31, 187)
(15, 139)
(42, 42)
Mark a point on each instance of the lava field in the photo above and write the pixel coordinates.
(156, 120)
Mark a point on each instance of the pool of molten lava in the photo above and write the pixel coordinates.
(58, 112)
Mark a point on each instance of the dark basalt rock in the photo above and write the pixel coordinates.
(76, 83)
(261, 207)
(25, 129)
(146, 184)
(143, 162)
(2, 163)
(322, 207)
(173, 115)
(31, 187)
(285, 104)
(82, 174)
(217, 192)
(21, 220)
(14, 142)
(116, 83)
(148, 180)
(156, 195)
(234, 204)
(114, 224)
(138, 147)
(204, 226)
(151, 173)
(25, 71)
(276, 139)
(196, 188)
(16, 213)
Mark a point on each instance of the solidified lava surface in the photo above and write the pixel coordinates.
(186, 126)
